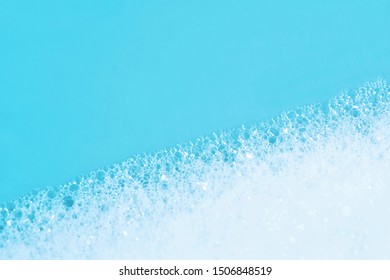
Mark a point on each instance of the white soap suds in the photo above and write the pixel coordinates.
(312, 183)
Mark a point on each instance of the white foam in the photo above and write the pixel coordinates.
(312, 183)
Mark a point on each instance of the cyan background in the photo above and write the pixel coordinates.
(87, 83)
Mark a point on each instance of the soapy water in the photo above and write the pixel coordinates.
(312, 183)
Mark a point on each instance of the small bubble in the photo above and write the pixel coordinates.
(18, 214)
(47, 206)
(178, 156)
(112, 174)
(100, 175)
(227, 158)
(104, 208)
(205, 158)
(221, 148)
(237, 144)
(164, 185)
(272, 140)
(31, 217)
(274, 131)
(68, 201)
(145, 180)
(355, 112)
(134, 170)
(51, 194)
(74, 187)
(374, 99)
(291, 115)
(302, 120)
(121, 183)
(10, 206)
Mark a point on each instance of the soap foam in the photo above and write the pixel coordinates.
(312, 183)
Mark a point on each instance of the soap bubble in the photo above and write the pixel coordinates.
(68, 201)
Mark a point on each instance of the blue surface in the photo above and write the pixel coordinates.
(86, 84)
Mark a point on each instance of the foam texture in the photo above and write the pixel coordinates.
(312, 183)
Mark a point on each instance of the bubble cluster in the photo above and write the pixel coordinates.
(310, 183)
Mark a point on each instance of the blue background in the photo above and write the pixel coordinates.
(87, 83)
